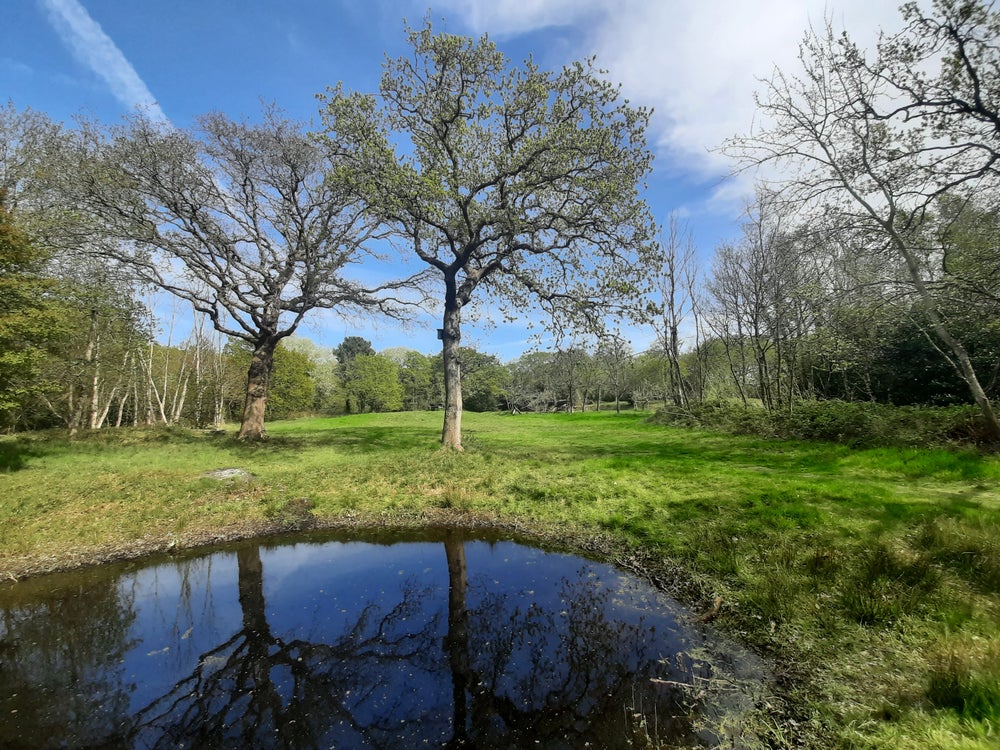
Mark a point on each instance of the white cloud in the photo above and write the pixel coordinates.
(696, 62)
(95, 49)
(507, 17)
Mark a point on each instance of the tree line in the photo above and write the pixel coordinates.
(867, 269)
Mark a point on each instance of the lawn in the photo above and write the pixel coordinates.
(871, 578)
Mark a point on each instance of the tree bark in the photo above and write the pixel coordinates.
(451, 435)
(258, 379)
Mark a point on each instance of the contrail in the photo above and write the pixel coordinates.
(92, 47)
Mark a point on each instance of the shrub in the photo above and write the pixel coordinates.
(855, 423)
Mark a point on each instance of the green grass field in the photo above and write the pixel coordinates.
(870, 577)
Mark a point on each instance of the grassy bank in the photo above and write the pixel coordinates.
(872, 577)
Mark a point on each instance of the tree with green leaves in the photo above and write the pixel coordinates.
(373, 384)
(420, 381)
(350, 349)
(516, 183)
(31, 319)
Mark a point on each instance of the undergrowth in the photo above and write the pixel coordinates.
(854, 423)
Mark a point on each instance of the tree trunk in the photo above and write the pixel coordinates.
(258, 379)
(451, 435)
(964, 364)
(457, 640)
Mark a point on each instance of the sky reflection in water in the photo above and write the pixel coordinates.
(318, 643)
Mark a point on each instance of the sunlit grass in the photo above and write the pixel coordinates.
(870, 575)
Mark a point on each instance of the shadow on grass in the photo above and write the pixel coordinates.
(365, 439)
(14, 455)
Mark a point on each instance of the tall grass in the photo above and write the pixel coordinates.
(869, 574)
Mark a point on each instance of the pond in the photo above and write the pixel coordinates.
(380, 642)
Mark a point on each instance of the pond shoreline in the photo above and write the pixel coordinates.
(664, 574)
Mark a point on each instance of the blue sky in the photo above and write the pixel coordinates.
(697, 62)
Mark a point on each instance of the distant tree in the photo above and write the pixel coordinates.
(517, 183)
(373, 384)
(484, 380)
(242, 220)
(533, 382)
(614, 354)
(47, 268)
(328, 395)
(420, 381)
(348, 350)
(570, 365)
(293, 390)
(672, 304)
(98, 362)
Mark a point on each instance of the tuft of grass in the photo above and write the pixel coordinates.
(885, 585)
(970, 548)
(965, 678)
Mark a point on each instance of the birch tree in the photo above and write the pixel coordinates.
(879, 140)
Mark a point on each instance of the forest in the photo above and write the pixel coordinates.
(867, 269)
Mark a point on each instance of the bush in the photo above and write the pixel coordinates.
(856, 423)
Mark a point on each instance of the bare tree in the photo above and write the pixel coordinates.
(673, 303)
(242, 220)
(879, 143)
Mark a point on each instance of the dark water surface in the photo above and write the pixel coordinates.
(334, 642)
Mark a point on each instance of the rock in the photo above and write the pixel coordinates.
(228, 474)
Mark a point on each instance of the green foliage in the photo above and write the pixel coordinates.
(349, 349)
(328, 397)
(892, 360)
(372, 384)
(857, 423)
(32, 318)
(484, 380)
(422, 381)
(292, 390)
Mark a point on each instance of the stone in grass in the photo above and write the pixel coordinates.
(228, 474)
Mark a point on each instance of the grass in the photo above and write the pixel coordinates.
(871, 576)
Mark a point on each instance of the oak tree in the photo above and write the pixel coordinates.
(243, 221)
(509, 182)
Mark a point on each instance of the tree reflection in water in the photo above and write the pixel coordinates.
(63, 650)
(259, 690)
(506, 656)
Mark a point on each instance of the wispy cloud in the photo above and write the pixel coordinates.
(95, 49)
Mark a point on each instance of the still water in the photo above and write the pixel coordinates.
(334, 642)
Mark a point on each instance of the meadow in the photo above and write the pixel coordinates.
(869, 578)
